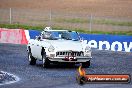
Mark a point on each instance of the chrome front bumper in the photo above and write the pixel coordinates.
(75, 60)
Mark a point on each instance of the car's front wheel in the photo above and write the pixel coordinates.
(86, 64)
(32, 60)
(45, 61)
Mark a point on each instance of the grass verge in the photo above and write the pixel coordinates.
(95, 21)
(27, 27)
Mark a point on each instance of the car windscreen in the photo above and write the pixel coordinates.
(55, 35)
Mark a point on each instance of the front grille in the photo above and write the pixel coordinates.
(69, 53)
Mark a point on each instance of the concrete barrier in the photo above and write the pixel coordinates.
(99, 41)
(15, 36)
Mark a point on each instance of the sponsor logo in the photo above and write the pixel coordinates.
(114, 46)
(83, 78)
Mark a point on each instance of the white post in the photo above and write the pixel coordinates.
(50, 18)
(50, 15)
(10, 16)
(90, 26)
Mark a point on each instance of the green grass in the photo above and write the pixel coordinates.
(27, 27)
(94, 21)
(103, 32)
(20, 26)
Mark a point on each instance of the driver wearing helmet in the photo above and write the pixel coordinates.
(46, 35)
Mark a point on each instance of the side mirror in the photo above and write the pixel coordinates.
(38, 37)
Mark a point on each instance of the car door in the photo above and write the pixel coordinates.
(38, 48)
(33, 48)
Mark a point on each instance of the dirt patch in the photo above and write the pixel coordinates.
(112, 8)
(37, 12)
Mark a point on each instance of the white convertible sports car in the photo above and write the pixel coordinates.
(58, 46)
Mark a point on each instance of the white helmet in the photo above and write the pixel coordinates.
(47, 28)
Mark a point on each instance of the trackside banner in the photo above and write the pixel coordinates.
(101, 42)
(108, 42)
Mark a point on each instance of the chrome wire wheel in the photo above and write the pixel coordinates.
(31, 59)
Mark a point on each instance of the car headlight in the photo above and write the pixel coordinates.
(87, 49)
(51, 49)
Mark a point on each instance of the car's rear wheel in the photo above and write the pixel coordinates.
(86, 64)
(32, 60)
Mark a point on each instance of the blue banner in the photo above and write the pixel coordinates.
(101, 41)
(109, 42)
(34, 33)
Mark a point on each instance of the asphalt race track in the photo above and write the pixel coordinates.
(13, 59)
